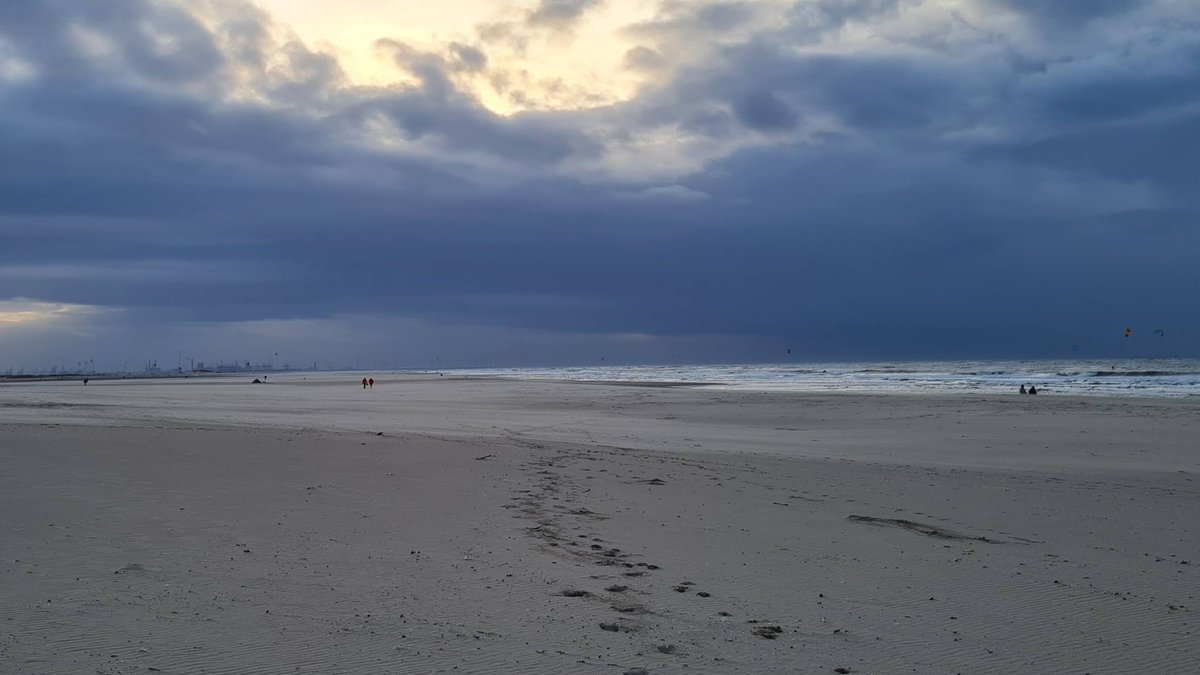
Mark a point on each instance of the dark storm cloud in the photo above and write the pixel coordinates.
(764, 111)
(1068, 11)
(560, 14)
(468, 58)
(644, 58)
(153, 40)
(460, 123)
(821, 15)
(694, 20)
(909, 197)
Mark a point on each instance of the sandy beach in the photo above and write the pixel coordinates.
(442, 524)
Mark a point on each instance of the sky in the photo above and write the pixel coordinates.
(389, 183)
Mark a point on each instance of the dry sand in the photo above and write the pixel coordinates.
(450, 525)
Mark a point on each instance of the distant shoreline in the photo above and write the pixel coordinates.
(75, 377)
(1127, 379)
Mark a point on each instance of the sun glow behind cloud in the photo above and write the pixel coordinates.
(22, 312)
(531, 64)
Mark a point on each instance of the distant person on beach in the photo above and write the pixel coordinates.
(1032, 389)
(371, 382)
(364, 382)
(85, 381)
(1023, 390)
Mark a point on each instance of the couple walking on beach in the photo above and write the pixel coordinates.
(368, 382)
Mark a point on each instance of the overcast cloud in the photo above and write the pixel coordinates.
(867, 179)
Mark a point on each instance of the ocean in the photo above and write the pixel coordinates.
(1159, 378)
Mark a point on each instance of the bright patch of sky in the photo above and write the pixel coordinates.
(531, 63)
(19, 311)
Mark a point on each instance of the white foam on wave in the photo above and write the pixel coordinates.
(1159, 378)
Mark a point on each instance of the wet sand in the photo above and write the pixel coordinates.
(447, 525)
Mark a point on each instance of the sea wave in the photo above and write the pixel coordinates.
(1144, 373)
(1168, 378)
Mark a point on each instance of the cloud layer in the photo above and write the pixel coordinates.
(847, 179)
